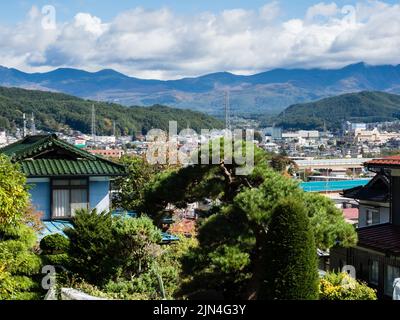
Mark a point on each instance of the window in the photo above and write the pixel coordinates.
(69, 196)
(374, 272)
(372, 217)
(391, 274)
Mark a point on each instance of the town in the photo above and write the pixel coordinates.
(186, 153)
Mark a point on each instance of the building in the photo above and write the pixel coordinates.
(376, 257)
(274, 132)
(63, 178)
(108, 153)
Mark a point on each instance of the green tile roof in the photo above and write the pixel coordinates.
(67, 168)
(35, 154)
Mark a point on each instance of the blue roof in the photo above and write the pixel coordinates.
(324, 186)
(54, 227)
(58, 226)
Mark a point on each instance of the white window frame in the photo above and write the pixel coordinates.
(372, 214)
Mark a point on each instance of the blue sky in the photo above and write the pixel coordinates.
(13, 11)
(177, 38)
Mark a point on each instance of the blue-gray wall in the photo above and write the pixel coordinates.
(99, 195)
(40, 197)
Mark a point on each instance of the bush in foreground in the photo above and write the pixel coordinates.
(341, 286)
(291, 255)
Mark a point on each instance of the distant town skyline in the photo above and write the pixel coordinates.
(174, 39)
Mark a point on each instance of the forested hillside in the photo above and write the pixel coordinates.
(366, 106)
(56, 112)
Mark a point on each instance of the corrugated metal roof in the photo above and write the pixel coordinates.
(337, 185)
(54, 227)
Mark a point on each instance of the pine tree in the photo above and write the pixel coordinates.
(291, 255)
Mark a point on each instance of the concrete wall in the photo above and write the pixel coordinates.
(384, 213)
(72, 294)
(99, 194)
(40, 196)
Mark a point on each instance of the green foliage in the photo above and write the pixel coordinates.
(136, 245)
(132, 187)
(54, 243)
(103, 248)
(340, 286)
(126, 261)
(290, 255)
(356, 107)
(19, 265)
(232, 239)
(14, 197)
(92, 246)
(57, 112)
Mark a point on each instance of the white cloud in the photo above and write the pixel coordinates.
(322, 9)
(162, 44)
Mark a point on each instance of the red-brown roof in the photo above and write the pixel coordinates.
(351, 213)
(389, 161)
(382, 238)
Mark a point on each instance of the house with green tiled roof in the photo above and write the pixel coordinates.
(63, 178)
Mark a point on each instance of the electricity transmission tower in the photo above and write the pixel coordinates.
(227, 111)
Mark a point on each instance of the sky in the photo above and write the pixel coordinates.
(173, 39)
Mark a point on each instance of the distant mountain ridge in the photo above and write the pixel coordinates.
(365, 106)
(264, 93)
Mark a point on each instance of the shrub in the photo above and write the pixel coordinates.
(92, 246)
(137, 245)
(19, 266)
(103, 248)
(54, 243)
(340, 286)
(14, 196)
(291, 255)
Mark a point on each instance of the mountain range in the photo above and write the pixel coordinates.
(264, 93)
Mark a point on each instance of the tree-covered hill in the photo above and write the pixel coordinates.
(366, 106)
(56, 112)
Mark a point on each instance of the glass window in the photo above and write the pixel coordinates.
(391, 274)
(374, 272)
(69, 196)
(60, 182)
(81, 182)
(373, 217)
